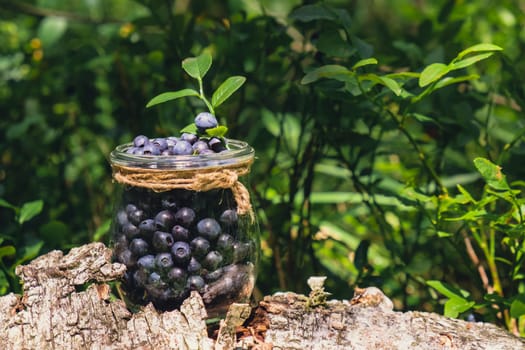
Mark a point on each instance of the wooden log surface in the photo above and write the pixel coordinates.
(67, 304)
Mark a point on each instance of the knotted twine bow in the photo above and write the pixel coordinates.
(199, 179)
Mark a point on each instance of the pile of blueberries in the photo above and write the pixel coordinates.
(186, 144)
(178, 241)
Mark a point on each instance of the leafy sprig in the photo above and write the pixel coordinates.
(197, 67)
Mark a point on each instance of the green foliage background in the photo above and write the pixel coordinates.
(347, 161)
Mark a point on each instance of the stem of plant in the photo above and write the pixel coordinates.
(203, 97)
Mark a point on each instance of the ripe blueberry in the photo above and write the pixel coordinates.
(209, 228)
(162, 241)
(229, 217)
(139, 247)
(212, 260)
(140, 141)
(200, 246)
(182, 148)
(181, 252)
(196, 283)
(164, 261)
(205, 120)
(185, 216)
(180, 233)
(164, 220)
(146, 263)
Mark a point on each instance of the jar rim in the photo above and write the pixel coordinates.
(238, 152)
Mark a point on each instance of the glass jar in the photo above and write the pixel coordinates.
(184, 223)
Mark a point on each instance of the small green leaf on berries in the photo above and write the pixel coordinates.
(218, 131)
(190, 129)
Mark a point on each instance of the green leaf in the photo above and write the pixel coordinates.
(331, 71)
(30, 210)
(432, 73)
(51, 29)
(7, 250)
(190, 129)
(54, 232)
(172, 95)
(470, 60)
(478, 48)
(443, 234)
(491, 173)
(447, 290)
(309, 13)
(364, 62)
(449, 80)
(455, 306)
(392, 85)
(218, 131)
(226, 89)
(102, 230)
(517, 307)
(4, 283)
(361, 254)
(197, 67)
(6, 204)
(29, 251)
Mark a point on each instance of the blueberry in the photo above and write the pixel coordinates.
(191, 138)
(185, 216)
(180, 233)
(225, 243)
(164, 261)
(136, 216)
(131, 231)
(171, 141)
(147, 227)
(212, 260)
(139, 247)
(177, 276)
(200, 246)
(229, 217)
(194, 266)
(130, 208)
(140, 277)
(196, 283)
(146, 263)
(139, 151)
(126, 257)
(161, 143)
(164, 220)
(154, 279)
(131, 150)
(182, 148)
(181, 252)
(214, 275)
(241, 251)
(209, 228)
(162, 241)
(122, 218)
(200, 146)
(206, 151)
(216, 144)
(140, 141)
(205, 121)
(151, 149)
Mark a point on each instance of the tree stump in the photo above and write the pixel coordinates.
(66, 304)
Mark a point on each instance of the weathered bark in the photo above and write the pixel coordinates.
(58, 311)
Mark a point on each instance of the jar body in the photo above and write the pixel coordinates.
(180, 240)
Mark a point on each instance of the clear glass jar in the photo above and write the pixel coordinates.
(184, 223)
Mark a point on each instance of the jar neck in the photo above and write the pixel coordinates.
(238, 152)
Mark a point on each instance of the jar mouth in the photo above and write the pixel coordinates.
(237, 152)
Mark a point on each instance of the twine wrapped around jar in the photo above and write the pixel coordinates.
(198, 179)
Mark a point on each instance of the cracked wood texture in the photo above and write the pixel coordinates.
(57, 311)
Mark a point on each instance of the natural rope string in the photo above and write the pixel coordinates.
(199, 179)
